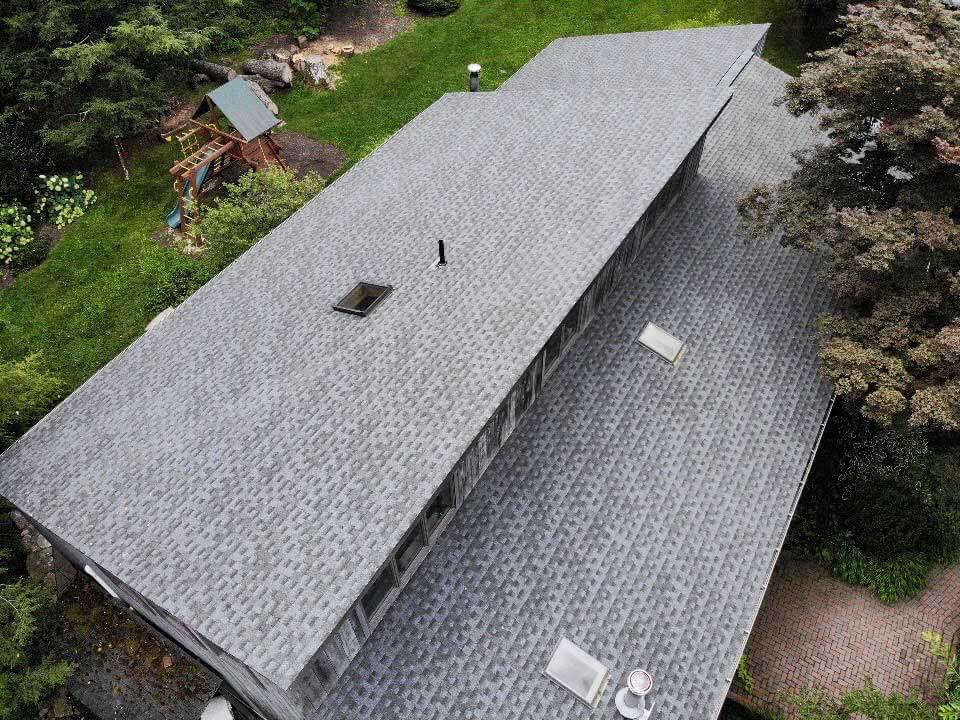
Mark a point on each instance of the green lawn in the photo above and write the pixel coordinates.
(95, 293)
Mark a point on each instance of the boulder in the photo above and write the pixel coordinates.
(281, 56)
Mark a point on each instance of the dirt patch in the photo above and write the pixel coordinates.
(305, 154)
(364, 26)
(361, 27)
(177, 112)
(51, 235)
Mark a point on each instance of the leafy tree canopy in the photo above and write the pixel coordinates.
(879, 200)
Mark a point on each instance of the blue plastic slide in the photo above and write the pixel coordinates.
(173, 218)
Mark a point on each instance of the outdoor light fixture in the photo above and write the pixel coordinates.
(631, 700)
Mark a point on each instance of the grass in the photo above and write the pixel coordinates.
(95, 293)
(381, 91)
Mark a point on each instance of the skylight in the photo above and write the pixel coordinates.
(658, 340)
(362, 299)
(573, 669)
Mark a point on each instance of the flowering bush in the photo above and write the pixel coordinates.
(15, 232)
(62, 198)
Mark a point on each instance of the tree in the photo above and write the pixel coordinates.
(252, 207)
(111, 80)
(27, 674)
(878, 200)
(27, 392)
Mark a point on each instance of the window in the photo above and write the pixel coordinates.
(409, 550)
(362, 299)
(583, 675)
(373, 598)
(661, 342)
(441, 504)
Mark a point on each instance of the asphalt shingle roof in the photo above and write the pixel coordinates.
(249, 464)
(695, 58)
(639, 509)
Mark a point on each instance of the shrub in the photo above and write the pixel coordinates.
(744, 676)
(179, 281)
(26, 676)
(16, 234)
(434, 7)
(867, 702)
(949, 706)
(883, 490)
(27, 392)
(892, 580)
(62, 199)
(252, 207)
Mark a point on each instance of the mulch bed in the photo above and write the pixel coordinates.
(305, 154)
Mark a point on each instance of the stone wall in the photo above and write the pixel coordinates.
(44, 562)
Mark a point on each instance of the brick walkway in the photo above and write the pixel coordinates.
(815, 631)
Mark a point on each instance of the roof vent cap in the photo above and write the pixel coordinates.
(630, 701)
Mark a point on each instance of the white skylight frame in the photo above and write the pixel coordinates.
(578, 672)
(666, 346)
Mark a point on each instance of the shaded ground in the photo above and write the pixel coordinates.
(125, 671)
(305, 154)
(358, 27)
(361, 27)
(814, 631)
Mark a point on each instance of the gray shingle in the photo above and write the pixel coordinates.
(639, 508)
(696, 58)
(250, 463)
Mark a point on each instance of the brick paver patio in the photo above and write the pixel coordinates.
(815, 631)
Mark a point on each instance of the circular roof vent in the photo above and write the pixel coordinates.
(640, 682)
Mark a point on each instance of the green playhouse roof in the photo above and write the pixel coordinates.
(241, 106)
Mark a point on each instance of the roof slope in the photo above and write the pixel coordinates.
(639, 508)
(250, 464)
(245, 111)
(697, 58)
